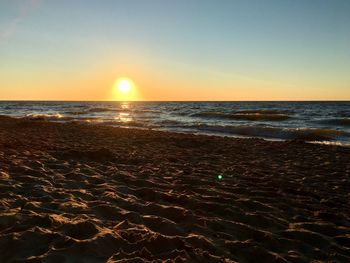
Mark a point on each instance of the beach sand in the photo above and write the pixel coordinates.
(82, 193)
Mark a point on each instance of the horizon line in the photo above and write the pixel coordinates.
(312, 100)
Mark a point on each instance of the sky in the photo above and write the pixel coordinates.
(175, 49)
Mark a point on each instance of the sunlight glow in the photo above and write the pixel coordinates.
(125, 89)
(124, 85)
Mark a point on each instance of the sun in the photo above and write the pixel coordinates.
(124, 89)
(124, 85)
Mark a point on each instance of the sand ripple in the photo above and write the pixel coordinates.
(73, 193)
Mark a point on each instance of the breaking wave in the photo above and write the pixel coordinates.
(48, 117)
(305, 134)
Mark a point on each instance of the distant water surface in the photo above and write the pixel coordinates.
(312, 121)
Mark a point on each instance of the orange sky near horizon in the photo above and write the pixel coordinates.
(153, 85)
(96, 89)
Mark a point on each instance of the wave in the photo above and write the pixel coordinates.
(169, 122)
(243, 116)
(75, 112)
(344, 113)
(116, 123)
(147, 111)
(92, 110)
(337, 122)
(305, 134)
(47, 117)
(332, 143)
(262, 112)
(106, 110)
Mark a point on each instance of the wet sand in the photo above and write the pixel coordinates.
(81, 193)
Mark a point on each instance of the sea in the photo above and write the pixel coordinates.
(320, 122)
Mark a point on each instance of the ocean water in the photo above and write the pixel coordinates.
(311, 121)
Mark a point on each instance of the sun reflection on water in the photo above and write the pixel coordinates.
(123, 117)
(125, 105)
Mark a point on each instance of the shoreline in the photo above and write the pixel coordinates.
(72, 191)
(193, 132)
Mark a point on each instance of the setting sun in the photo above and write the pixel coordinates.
(125, 89)
(124, 85)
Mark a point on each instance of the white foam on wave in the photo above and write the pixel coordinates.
(42, 116)
(306, 134)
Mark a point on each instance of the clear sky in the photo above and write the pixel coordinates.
(175, 49)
